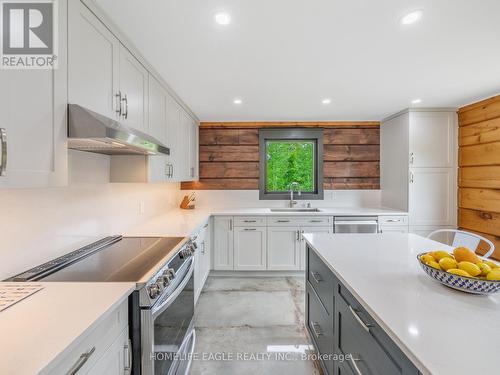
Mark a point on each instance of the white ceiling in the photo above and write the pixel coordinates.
(282, 57)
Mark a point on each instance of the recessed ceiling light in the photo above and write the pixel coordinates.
(237, 101)
(416, 101)
(411, 17)
(326, 101)
(223, 18)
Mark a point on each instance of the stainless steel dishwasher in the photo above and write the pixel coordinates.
(355, 224)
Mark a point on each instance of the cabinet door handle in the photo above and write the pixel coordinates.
(250, 229)
(118, 103)
(81, 361)
(230, 224)
(301, 238)
(125, 113)
(412, 158)
(203, 247)
(128, 357)
(282, 221)
(249, 221)
(412, 177)
(3, 156)
(365, 326)
(317, 277)
(356, 368)
(315, 221)
(192, 171)
(205, 226)
(298, 235)
(316, 329)
(393, 220)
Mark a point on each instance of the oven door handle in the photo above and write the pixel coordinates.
(157, 310)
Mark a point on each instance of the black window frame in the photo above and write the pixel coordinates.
(291, 134)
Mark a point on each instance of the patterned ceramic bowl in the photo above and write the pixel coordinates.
(463, 283)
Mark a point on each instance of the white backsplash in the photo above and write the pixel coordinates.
(250, 198)
(40, 224)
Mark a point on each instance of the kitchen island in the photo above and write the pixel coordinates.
(366, 294)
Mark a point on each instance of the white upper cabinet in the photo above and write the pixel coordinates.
(174, 136)
(159, 167)
(193, 150)
(432, 139)
(33, 123)
(93, 53)
(134, 91)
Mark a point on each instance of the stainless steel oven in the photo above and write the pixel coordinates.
(168, 335)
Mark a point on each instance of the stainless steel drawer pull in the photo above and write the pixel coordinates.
(118, 103)
(317, 277)
(81, 361)
(365, 326)
(316, 329)
(125, 113)
(3, 155)
(354, 364)
(249, 221)
(249, 229)
(282, 221)
(315, 221)
(205, 226)
(393, 220)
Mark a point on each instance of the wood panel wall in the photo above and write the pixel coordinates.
(479, 169)
(229, 155)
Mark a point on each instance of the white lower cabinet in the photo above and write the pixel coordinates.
(104, 349)
(249, 248)
(202, 260)
(223, 243)
(117, 359)
(302, 250)
(283, 248)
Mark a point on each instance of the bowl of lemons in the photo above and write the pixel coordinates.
(462, 270)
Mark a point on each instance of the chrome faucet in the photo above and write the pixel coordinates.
(292, 186)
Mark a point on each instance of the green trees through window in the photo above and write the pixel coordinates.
(287, 162)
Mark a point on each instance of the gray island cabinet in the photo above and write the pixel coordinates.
(346, 338)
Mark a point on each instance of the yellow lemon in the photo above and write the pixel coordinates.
(462, 254)
(447, 263)
(427, 258)
(440, 254)
(493, 274)
(433, 264)
(485, 269)
(470, 268)
(491, 264)
(459, 272)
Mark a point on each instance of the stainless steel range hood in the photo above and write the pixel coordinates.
(92, 132)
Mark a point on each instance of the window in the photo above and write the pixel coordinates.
(291, 159)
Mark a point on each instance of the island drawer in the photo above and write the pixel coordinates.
(354, 338)
(373, 351)
(249, 221)
(320, 328)
(321, 279)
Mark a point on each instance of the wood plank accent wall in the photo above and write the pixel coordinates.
(479, 169)
(229, 154)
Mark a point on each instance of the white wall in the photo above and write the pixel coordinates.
(250, 198)
(39, 224)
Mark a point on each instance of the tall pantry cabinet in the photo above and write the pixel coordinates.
(418, 161)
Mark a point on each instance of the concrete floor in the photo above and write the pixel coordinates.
(252, 326)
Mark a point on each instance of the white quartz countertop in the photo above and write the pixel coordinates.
(41, 327)
(186, 222)
(441, 330)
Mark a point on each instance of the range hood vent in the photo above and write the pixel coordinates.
(92, 132)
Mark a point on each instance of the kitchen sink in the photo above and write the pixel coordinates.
(295, 210)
